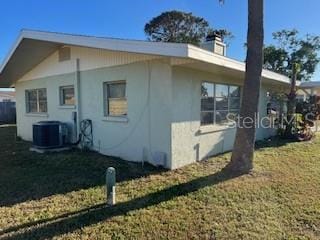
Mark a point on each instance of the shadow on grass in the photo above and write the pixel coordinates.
(28, 176)
(25, 175)
(273, 142)
(48, 228)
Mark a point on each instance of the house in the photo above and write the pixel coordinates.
(307, 89)
(164, 103)
(7, 107)
(7, 96)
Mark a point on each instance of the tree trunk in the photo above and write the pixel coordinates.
(292, 103)
(243, 151)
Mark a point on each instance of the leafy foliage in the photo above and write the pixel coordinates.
(225, 35)
(298, 125)
(301, 129)
(180, 27)
(275, 59)
(290, 48)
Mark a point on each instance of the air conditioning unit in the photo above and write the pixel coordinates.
(49, 134)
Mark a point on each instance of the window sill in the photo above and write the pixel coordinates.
(216, 127)
(44, 115)
(116, 119)
(67, 107)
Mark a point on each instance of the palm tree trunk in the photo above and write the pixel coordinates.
(243, 151)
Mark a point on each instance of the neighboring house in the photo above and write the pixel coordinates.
(308, 89)
(7, 107)
(7, 96)
(148, 101)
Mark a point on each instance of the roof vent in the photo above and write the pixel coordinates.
(64, 54)
(214, 43)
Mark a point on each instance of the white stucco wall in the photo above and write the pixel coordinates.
(147, 129)
(55, 111)
(163, 105)
(190, 141)
(144, 133)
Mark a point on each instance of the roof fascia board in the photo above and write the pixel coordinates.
(210, 57)
(143, 47)
(308, 85)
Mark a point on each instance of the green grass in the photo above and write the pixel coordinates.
(61, 196)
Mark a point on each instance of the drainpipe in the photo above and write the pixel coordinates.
(77, 88)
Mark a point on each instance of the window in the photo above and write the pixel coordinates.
(115, 99)
(36, 101)
(219, 102)
(67, 96)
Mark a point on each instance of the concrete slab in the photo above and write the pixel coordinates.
(41, 150)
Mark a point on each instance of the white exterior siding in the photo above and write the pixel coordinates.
(147, 128)
(55, 111)
(190, 141)
(163, 105)
(90, 59)
(148, 125)
(263, 132)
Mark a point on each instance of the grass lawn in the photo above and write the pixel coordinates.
(61, 196)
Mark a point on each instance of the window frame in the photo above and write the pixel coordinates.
(38, 101)
(106, 98)
(61, 95)
(215, 110)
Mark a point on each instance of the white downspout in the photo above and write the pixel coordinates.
(77, 88)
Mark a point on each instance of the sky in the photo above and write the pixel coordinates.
(126, 18)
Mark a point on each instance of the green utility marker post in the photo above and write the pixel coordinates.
(111, 186)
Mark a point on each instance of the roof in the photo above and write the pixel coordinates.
(7, 94)
(310, 84)
(48, 42)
